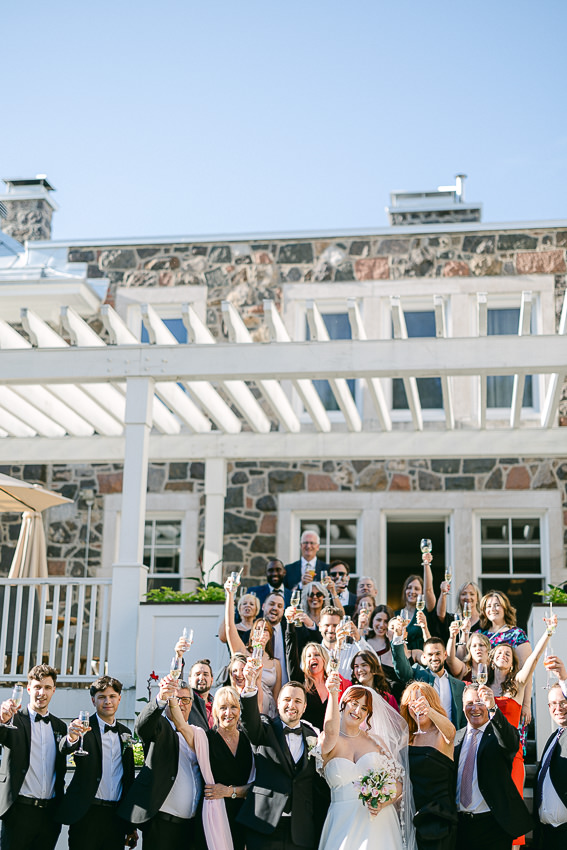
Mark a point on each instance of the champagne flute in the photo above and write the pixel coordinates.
(175, 667)
(419, 730)
(257, 655)
(294, 602)
(467, 611)
(457, 619)
(425, 545)
(17, 695)
(548, 652)
(188, 638)
(345, 623)
(84, 719)
(258, 632)
(235, 580)
(420, 604)
(324, 576)
(448, 574)
(333, 665)
(481, 674)
(404, 614)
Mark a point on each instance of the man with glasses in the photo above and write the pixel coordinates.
(309, 567)
(339, 572)
(165, 796)
(550, 797)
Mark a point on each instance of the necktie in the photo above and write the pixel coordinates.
(295, 731)
(108, 728)
(42, 718)
(468, 770)
(544, 770)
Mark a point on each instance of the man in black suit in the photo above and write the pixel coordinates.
(32, 772)
(165, 795)
(491, 811)
(309, 566)
(201, 682)
(285, 808)
(339, 572)
(450, 690)
(550, 798)
(102, 776)
(275, 578)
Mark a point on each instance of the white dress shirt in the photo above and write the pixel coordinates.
(183, 799)
(39, 781)
(443, 688)
(312, 564)
(295, 744)
(478, 804)
(110, 785)
(279, 651)
(552, 810)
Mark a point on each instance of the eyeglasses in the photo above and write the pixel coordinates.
(338, 575)
(315, 596)
(183, 700)
(561, 704)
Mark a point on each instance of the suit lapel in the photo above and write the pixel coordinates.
(95, 729)
(26, 726)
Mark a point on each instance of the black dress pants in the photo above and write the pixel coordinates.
(162, 833)
(279, 839)
(99, 829)
(481, 831)
(26, 827)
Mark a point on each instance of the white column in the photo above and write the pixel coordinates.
(215, 492)
(129, 573)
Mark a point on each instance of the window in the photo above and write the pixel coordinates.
(162, 553)
(338, 539)
(419, 324)
(499, 387)
(338, 327)
(511, 560)
(176, 327)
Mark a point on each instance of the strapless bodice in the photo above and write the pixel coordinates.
(342, 773)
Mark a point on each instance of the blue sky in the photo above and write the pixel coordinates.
(220, 117)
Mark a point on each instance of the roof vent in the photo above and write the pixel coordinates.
(444, 205)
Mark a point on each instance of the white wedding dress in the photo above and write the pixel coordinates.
(349, 824)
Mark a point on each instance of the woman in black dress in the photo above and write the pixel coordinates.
(231, 759)
(432, 769)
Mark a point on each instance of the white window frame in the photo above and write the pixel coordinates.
(173, 518)
(182, 506)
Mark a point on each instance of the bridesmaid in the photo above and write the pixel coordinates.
(432, 769)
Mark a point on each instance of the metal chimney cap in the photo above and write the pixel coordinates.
(38, 180)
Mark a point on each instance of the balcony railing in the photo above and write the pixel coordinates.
(63, 622)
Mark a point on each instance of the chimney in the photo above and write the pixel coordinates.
(29, 208)
(444, 205)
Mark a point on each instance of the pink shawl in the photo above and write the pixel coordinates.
(215, 821)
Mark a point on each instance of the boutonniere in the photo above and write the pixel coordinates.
(58, 737)
(127, 740)
(311, 743)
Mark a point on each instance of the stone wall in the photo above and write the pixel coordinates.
(28, 219)
(251, 502)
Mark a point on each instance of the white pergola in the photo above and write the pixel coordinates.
(70, 397)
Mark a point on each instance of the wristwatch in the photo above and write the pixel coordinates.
(233, 795)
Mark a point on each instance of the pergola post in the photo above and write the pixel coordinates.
(129, 573)
(215, 492)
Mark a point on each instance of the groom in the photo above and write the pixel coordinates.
(286, 807)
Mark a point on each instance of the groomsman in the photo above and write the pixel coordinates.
(32, 771)
(102, 776)
(165, 796)
(550, 803)
(491, 812)
(286, 806)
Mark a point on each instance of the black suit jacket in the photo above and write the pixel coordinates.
(198, 713)
(88, 771)
(279, 780)
(293, 572)
(557, 771)
(262, 591)
(16, 747)
(407, 672)
(496, 751)
(155, 780)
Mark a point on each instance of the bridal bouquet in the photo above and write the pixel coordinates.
(379, 785)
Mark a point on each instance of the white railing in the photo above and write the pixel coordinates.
(63, 622)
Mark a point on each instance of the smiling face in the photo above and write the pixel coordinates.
(468, 595)
(227, 713)
(275, 573)
(328, 628)
(106, 704)
(503, 658)
(355, 710)
(315, 598)
(41, 691)
(291, 705)
(201, 679)
(309, 545)
(380, 624)
(361, 670)
(557, 705)
(494, 610)
(434, 656)
(412, 592)
(339, 574)
(273, 608)
(475, 712)
(314, 661)
(237, 675)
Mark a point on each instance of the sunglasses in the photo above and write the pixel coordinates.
(315, 596)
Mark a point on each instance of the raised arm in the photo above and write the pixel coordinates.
(402, 667)
(456, 667)
(441, 721)
(524, 675)
(235, 643)
(428, 591)
(332, 721)
(292, 652)
(442, 601)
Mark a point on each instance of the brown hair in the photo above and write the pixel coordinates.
(509, 685)
(408, 696)
(379, 681)
(332, 611)
(405, 587)
(357, 692)
(509, 610)
(270, 644)
(104, 682)
(42, 671)
(467, 660)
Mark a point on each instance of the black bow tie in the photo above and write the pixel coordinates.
(108, 728)
(42, 717)
(289, 731)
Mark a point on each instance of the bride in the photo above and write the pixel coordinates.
(361, 734)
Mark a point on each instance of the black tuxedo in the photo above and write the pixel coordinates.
(407, 672)
(549, 837)
(24, 825)
(496, 749)
(280, 785)
(88, 819)
(293, 572)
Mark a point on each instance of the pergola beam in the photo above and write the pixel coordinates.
(520, 378)
(551, 403)
(446, 388)
(373, 385)
(410, 381)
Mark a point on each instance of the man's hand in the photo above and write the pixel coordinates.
(486, 696)
(7, 710)
(250, 673)
(397, 626)
(168, 688)
(333, 683)
(552, 663)
(75, 730)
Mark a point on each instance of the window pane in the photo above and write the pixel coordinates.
(495, 561)
(499, 388)
(494, 530)
(162, 553)
(525, 531)
(419, 324)
(176, 327)
(338, 327)
(338, 539)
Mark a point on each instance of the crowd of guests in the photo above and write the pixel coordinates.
(309, 664)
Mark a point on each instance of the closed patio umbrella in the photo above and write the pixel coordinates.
(18, 496)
